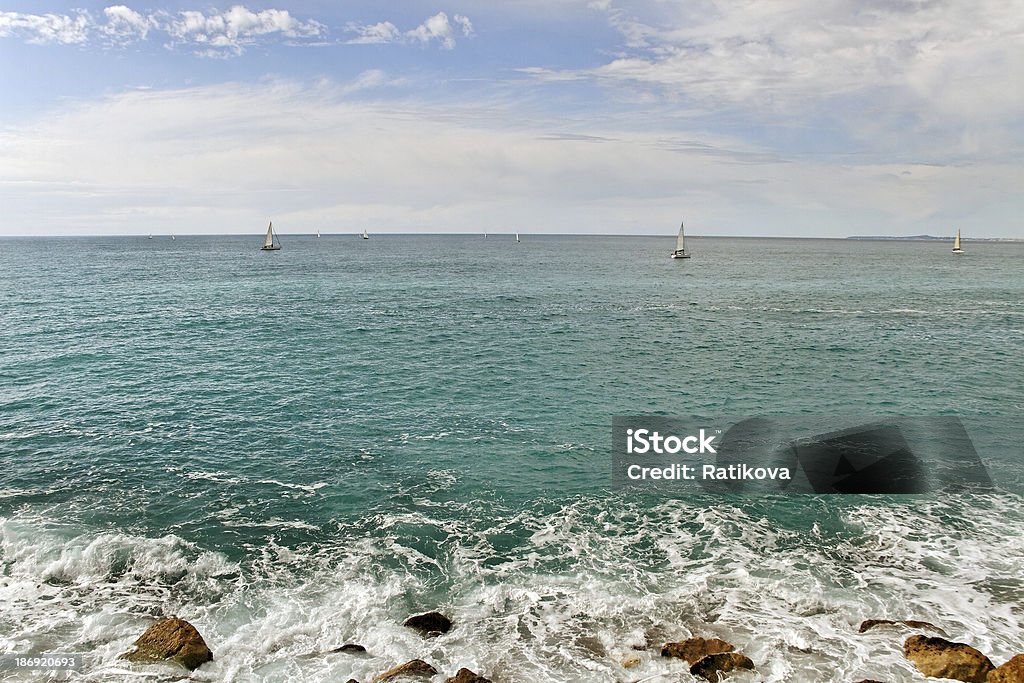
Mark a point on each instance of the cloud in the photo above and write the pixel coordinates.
(211, 33)
(383, 32)
(787, 57)
(236, 27)
(435, 29)
(309, 155)
(125, 24)
(47, 28)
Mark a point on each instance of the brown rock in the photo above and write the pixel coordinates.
(429, 624)
(1010, 672)
(171, 640)
(695, 649)
(631, 662)
(910, 623)
(869, 680)
(713, 667)
(467, 676)
(412, 668)
(940, 658)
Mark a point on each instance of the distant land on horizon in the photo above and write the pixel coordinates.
(922, 238)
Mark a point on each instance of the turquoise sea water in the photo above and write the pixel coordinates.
(300, 448)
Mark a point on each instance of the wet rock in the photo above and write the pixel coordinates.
(171, 640)
(351, 680)
(593, 645)
(631, 662)
(350, 648)
(415, 668)
(940, 658)
(695, 649)
(869, 680)
(430, 624)
(869, 624)
(467, 676)
(713, 667)
(1010, 672)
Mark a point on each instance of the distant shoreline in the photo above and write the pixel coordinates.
(931, 238)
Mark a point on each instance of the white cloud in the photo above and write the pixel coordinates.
(435, 29)
(236, 27)
(383, 32)
(46, 28)
(215, 33)
(125, 24)
(308, 156)
(787, 57)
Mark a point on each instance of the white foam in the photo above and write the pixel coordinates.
(551, 598)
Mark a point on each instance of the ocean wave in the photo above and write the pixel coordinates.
(557, 592)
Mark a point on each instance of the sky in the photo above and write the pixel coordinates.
(802, 118)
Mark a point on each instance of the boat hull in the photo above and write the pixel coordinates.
(275, 248)
(677, 254)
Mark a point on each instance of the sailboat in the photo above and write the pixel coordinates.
(172, 235)
(680, 251)
(517, 238)
(318, 233)
(268, 243)
(956, 243)
(150, 235)
(365, 236)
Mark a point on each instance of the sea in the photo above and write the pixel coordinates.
(299, 449)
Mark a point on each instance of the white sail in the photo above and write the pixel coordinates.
(269, 241)
(517, 237)
(956, 241)
(680, 250)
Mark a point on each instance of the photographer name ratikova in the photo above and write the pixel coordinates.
(735, 472)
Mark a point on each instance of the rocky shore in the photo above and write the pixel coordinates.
(176, 641)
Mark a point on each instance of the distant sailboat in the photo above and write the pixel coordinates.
(680, 251)
(956, 243)
(517, 238)
(172, 235)
(365, 235)
(150, 235)
(318, 233)
(268, 243)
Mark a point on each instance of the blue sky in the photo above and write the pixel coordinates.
(789, 117)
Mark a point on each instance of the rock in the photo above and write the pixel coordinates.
(695, 649)
(171, 640)
(414, 668)
(351, 648)
(467, 676)
(1010, 672)
(593, 645)
(910, 623)
(714, 666)
(940, 658)
(631, 662)
(429, 624)
(351, 680)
